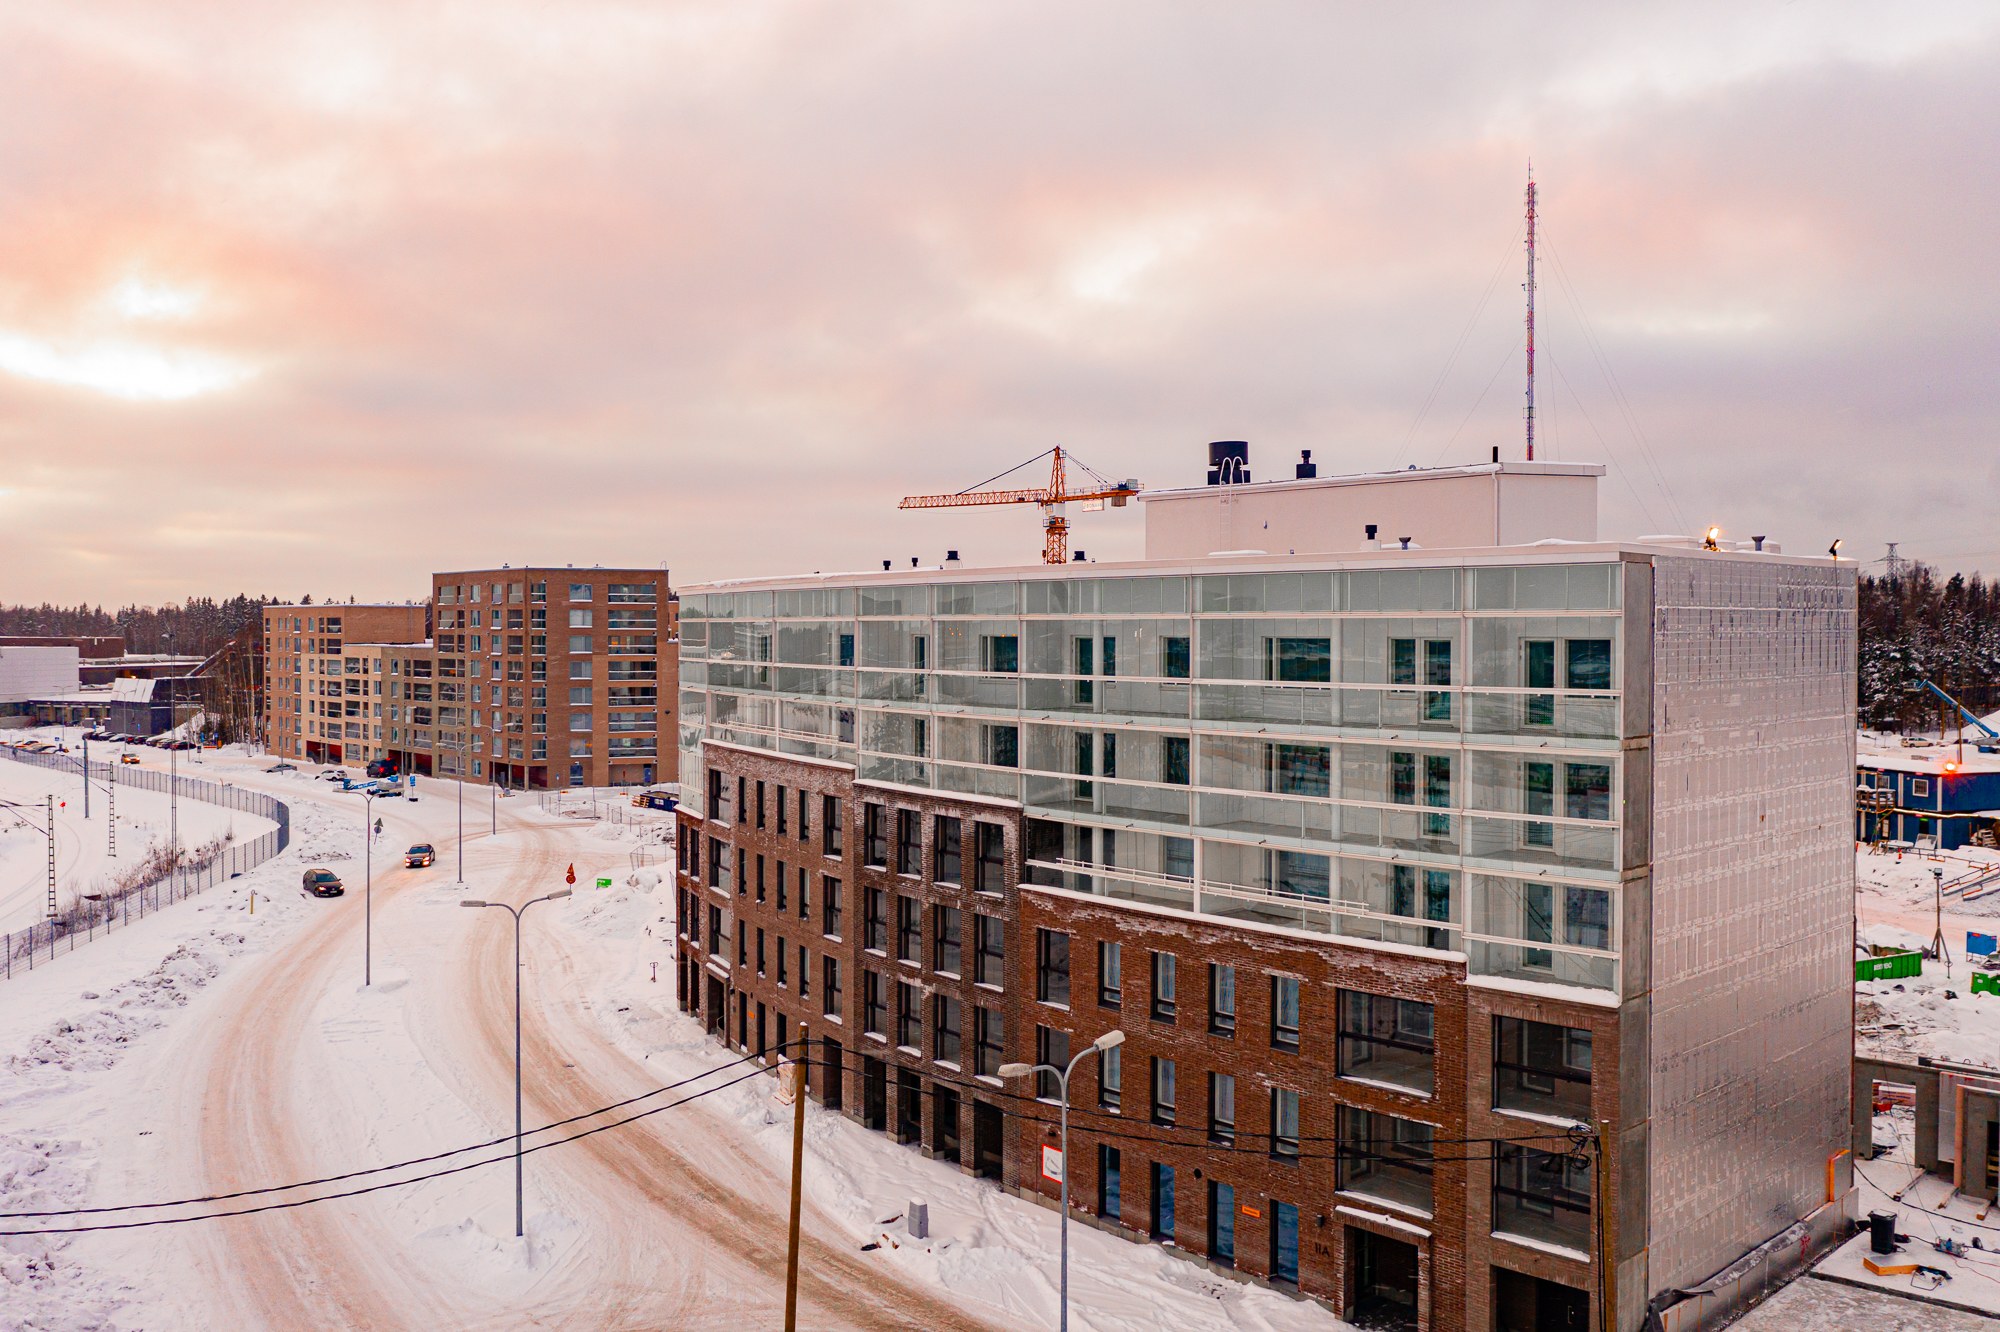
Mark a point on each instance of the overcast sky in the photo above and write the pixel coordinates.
(295, 303)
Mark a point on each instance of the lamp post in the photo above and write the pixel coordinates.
(461, 810)
(1109, 1040)
(515, 912)
(368, 893)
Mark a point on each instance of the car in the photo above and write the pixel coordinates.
(421, 856)
(128, 758)
(335, 775)
(282, 767)
(382, 768)
(323, 883)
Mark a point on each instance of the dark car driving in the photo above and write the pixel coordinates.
(323, 883)
(420, 856)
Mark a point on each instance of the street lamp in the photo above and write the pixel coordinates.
(515, 912)
(368, 897)
(1108, 1041)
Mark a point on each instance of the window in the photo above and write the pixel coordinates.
(1163, 1091)
(1222, 1108)
(1174, 764)
(829, 906)
(1176, 661)
(1587, 790)
(1052, 967)
(846, 650)
(1110, 974)
(989, 858)
(1051, 1048)
(1284, 1123)
(805, 833)
(1001, 746)
(909, 929)
(1302, 770)
(1587, 917)
(1163, 987)
(577, 643)
(829, 986)
(875, 919)
(1538, 923)
(782, 950)
(1221, 1223)
(1085, 690)
(909, 1017)
(946, 930)
(1541, 1068)
(579, 695)
(1403, 661)
(1221, 999)
(830, 825)
(1285, 1242)
(945, 1029)
(1437, 671)
(579, 591)
(1437, 794)
(1382, 1039)
(1538, 796)
(1086, 750)
(760, 804)
(781, 877)
(1587, 664)
(989, 1033)
(1162, 1221)
(1384, 1157)
(1920, 786)
(874, 1003)
(760, 878)
(1285, 1013)
(1436, 904)
(949, 866)
(1000, 653)
(579, 619)
(1111, 1078)
(874, 835)
(990, 959)
(1544, 1196)
(1305, 660)
(1109, 1204)
(718, 935)
(909, 842)
(1538, 671)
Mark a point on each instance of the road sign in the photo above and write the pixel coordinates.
(1052, 1165)
(571, 876)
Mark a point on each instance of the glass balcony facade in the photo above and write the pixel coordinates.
(1421, 757)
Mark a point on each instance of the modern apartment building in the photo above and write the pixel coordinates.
(1472, 910)
(552, 676)
(323, 688)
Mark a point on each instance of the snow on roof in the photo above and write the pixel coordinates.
(1891, 755)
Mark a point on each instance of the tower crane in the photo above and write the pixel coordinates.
(1052, 498)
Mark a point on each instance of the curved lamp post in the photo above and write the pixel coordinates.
(515, 912)
(1108, 1040)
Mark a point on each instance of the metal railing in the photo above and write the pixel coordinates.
(87, 917)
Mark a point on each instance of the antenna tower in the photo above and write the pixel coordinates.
(1529, 287)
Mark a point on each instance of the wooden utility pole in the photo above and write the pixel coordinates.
(1607, 1275)
(798, 1181)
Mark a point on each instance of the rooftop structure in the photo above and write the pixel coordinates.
(1368, 848)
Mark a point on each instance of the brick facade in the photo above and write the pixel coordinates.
(955, 1107)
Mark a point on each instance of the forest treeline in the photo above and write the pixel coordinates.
(199, 625)
(1916, 626)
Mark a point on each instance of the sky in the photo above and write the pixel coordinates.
(319, 298)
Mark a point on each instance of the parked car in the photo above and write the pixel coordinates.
(421, 856)
(336, 775)
(282, 767)
(323, 883)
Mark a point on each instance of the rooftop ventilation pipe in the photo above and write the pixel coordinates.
(885, 565)
(1368, 541)
(1757, 542)
(913, 561)
(951, 557)
(1306, 469)
(1405, 541)
(1076, 557)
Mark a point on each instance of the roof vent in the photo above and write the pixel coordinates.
(1758, 542)
(1368, 540)
(913, 561)
(886, 564)
(1405, 541)
(1306, 469)
(1076, 557)
(1229, 463)
(951, 557)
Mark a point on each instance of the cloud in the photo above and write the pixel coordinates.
(716, 284)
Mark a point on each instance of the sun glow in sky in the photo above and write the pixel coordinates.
(713, 285)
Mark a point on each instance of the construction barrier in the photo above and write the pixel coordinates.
(1980, 945)
(1896, 966)
(1983, 983)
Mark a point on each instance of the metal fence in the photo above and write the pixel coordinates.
(87, 917)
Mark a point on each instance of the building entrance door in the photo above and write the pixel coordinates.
(718, 1012)
(874, 1093)
(944, 1122)
(986, 1131)
(1523, 1303)
(1385, 1282)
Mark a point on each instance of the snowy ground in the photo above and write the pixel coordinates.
(208, 1049)
(83, 860)
(1935, 1014)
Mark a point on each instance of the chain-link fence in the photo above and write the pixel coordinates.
(91, 915)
